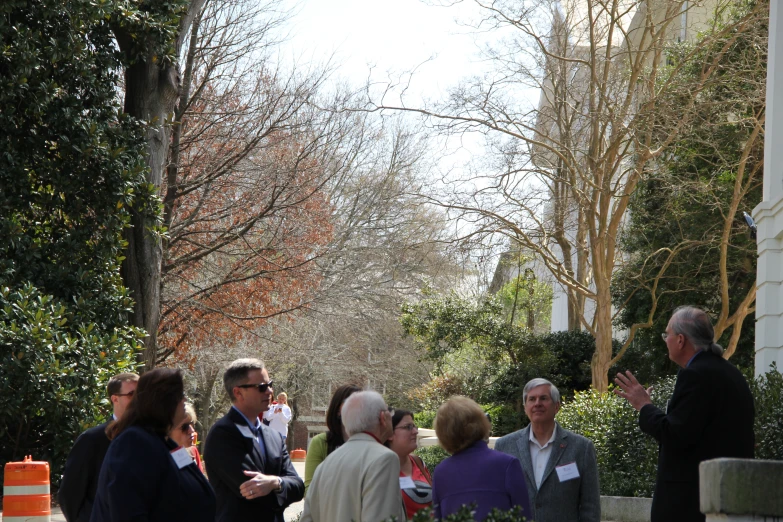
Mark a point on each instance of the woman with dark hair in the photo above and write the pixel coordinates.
(325, 443)
(145, 475)
(415, 480)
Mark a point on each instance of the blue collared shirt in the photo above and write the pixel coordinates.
(692, 358)
(256, 428)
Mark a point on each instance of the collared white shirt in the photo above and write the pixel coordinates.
(539, 455)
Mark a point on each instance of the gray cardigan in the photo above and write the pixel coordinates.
(575, 500)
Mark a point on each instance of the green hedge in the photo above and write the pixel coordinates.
(768, 395)
(627, 458)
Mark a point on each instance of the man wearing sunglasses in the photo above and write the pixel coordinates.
(248, 463)
(80, 478)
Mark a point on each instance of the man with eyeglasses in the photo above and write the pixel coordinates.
(360, 480)
(248, 463)
(710, 415)
(80, 478)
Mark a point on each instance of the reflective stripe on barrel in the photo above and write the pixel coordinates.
(26, 492)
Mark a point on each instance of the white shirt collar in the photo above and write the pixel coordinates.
(533, 439)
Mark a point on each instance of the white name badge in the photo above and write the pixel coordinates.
(567, 472)
(244, 430)
(407, 483)
(181, 457)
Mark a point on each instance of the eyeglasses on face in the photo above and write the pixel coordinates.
(407, 427)
(187, 427)
(262, 387)
(129, 394)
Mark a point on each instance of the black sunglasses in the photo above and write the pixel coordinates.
(262, 387)
(186, 427)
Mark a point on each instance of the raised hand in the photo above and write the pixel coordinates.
(632, 391)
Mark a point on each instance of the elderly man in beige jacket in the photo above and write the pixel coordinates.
(359, 481)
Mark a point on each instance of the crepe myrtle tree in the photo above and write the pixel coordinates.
(563, 171)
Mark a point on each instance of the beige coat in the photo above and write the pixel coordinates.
(359, 482)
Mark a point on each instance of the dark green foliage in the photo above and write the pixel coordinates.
(432, 456)
(505, 419)
(510, 354)
(424, 419)
(70, 167)
(627, 458)
(768, 394)
(683, 203)
(444, 325)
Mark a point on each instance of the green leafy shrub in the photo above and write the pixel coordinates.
(424, 419)
(504, 419)
(627, 458)
(432, 456)
(768, 394)
(71, 171)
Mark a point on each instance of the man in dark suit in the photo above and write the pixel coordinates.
(248, 463)
(560, 467)
(80, 478)
(710, 415)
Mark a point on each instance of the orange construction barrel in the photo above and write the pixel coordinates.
(298, 455)
(26, 492)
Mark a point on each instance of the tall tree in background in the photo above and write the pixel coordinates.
(150, 36)
(70, 176)
(687, 241)
(566, 169)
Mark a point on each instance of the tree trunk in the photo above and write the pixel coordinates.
(602, 358)
(150, 95)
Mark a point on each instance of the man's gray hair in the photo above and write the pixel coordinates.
(237, 373)
(696, 325)
(360, 412)
(553, 391)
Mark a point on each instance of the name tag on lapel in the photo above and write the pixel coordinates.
(181, 457)
(245, 431)
(567, 472)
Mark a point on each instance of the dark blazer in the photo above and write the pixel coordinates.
(477, 474)
(710, 415)
(227, 453)
(141, 482)
(575, 500)
(80, 478)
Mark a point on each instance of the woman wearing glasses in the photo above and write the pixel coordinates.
(415, 479)
(184, 434)
(146, 475)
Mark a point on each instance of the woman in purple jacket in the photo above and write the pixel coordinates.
(474, 474)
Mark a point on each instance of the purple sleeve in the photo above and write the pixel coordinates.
(517, 487)
(435, 499)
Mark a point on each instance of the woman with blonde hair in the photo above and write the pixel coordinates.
(185, 434)
(474, 474)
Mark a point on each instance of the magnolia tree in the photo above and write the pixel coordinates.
(563, 170)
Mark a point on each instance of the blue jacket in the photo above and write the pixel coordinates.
(140, 482)
(478, 474)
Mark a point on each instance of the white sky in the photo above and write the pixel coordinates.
(390, 36)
